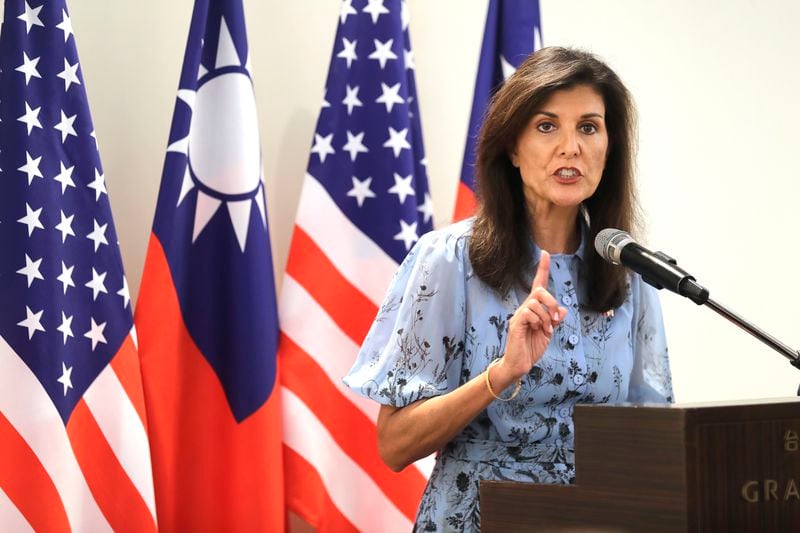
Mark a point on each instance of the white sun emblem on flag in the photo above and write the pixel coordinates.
(222, 148)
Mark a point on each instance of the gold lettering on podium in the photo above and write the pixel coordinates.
(791, 491)
(750, 492)
(791, 442)
(771, 490)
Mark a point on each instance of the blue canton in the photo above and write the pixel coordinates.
(367, 151)
(66, 308)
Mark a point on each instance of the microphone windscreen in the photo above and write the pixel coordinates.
(609, 243)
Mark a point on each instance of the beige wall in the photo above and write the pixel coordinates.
(716, 83)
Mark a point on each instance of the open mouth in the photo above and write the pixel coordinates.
(567, 175)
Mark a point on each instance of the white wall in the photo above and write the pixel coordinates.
(717, 88)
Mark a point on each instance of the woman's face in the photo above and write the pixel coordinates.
(562, 151)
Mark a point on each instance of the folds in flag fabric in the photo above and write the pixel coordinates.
(206, 313)
(73, 434)
(512, 33)
(364, 203)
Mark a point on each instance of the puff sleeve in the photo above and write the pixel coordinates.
(415, 347)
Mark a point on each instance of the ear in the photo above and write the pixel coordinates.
(512, 155)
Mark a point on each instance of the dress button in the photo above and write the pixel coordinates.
(573, 339)
(565, 412)
(566, 299)
(578, 379)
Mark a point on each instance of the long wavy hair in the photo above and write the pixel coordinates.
(499, 251)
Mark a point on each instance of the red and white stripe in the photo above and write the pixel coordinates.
(92, 475)
(335, 280)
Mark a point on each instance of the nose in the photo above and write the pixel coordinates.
(569, 146)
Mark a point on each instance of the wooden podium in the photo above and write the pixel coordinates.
(732, 466)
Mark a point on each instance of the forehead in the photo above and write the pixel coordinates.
(580, 98)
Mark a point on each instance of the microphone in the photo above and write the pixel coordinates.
(656, 268)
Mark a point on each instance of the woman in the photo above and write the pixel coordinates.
(495, 327)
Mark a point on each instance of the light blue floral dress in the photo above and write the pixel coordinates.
(440, 326)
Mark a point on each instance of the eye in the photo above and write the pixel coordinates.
(546, 127)
(588, 128)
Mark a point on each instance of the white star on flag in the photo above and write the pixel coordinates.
(322, 146)
(361, 190)
(402, 187)
(346, 10)
(31, 269)
(124, 292)
(426, 208)
(397, 141)
(408, 59)
(69, 74)
(65, 226)
(31, 219)
(31, 167)
(32, 322)
(390, 96)
(99, 185)
(351, 99)
(349, 51)
(66, 326)
(375, 8)
(95, 333)
(65, 177)
(98, 235)
(66, 276)
(408, 234)
(65, 126)
(383, 52)
(31, 17)
(28, 67)
(31, 118)
(97, 283)
(65, 25)
(66, 377)
(354, 145)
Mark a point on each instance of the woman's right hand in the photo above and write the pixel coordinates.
(529, 330)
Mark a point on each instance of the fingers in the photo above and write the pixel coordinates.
(534, 321)
(539, 308)
(547, 300)
(542, 272)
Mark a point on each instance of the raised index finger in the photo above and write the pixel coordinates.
(542, 272)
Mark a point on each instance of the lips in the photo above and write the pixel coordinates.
(567, 175)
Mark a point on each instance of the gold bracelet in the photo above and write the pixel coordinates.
(489, 385)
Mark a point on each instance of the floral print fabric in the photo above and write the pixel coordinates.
(440, 326)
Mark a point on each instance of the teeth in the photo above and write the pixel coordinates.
(567, 173)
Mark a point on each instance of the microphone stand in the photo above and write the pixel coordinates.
(687, 286)
(755, 331)
(674, 278)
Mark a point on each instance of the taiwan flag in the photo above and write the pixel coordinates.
(206, 313)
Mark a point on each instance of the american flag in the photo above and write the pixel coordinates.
(364, 203)
(206, 312)
(73, 443)
(513, 31)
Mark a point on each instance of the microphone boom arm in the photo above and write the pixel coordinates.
(790, 353)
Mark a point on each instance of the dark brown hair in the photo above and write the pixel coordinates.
(500, 250)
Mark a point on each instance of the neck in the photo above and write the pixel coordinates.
(555, 229)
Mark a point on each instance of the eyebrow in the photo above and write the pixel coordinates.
(553, 115)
